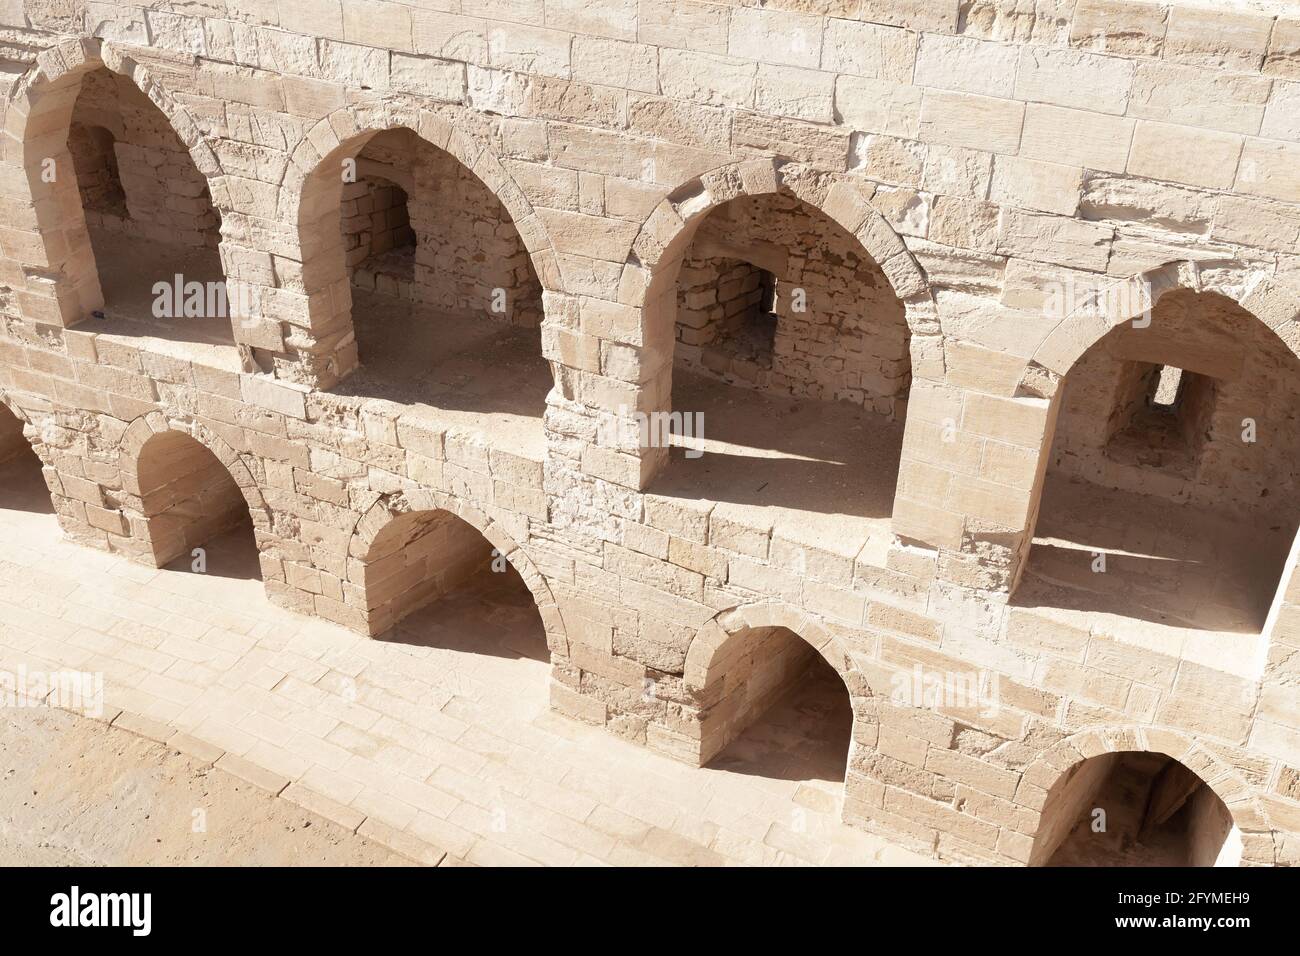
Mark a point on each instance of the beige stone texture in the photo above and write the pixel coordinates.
(929, 367)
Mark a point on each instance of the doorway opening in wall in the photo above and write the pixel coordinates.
(1134, 808)
(1169, 501)
(22, 483)
(1161, 419)
(1166, 391)
(445, 305)
(195, 517)
(378, 239)
(153, 229)
(779, 711)
(435, 586)
(726, 319)
(792, 356)
(94, 159)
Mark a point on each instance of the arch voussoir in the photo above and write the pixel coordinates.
(392, 507)
(1053, 768)
(1275, 301)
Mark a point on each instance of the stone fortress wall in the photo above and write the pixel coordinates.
(139, 178)
(1048, 205)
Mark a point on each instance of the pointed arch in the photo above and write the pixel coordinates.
(1272, 300)
(150, 424)
(666, 234)
(1043, 782)
(718, 639)
(183, 485)
(311, 194)
(1103, 435)
(62, 283)
(748, 658)
(398, 505)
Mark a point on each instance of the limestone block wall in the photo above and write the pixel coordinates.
(148, 187)
(1025, 184)
(718, 300)
(1246, 376)
(840, 333)
(465, 246)
(375, 221)
(98, 179)
(414, 560)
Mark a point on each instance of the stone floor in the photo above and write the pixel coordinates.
(442, 734)
(1178, 580)
(451, 371)
(142, 803)
(819, 473)
(129, 296)
(440, 368)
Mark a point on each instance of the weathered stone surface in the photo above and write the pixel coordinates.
(909, 341)
(975, 122)
(1180, 154)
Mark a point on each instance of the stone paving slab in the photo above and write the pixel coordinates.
(442, 755)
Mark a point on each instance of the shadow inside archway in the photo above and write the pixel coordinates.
(804, 735)
(1135, 808)
(231, 554)
(492, 613)
(1165, 563)
(22, 486)
(809, 470)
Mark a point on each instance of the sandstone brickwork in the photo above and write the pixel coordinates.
(134, 172)
(1003, 219)
(416, 203)
(850, 346)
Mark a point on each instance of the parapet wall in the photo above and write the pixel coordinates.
(1024, 184)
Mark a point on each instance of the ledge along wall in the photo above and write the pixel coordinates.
(1021, 183)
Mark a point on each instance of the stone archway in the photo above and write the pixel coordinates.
(847, 201)
(1062, 784)
(744, 661)
(312, 194)
(853, 325)
(64, 285)
(184, 487)
(1273, 301)
(1223, 336)
(400, 506)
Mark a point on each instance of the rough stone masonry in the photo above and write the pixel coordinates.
(990, 310)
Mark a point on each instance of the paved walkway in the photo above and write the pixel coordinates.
(441, 747)
(141, 803)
